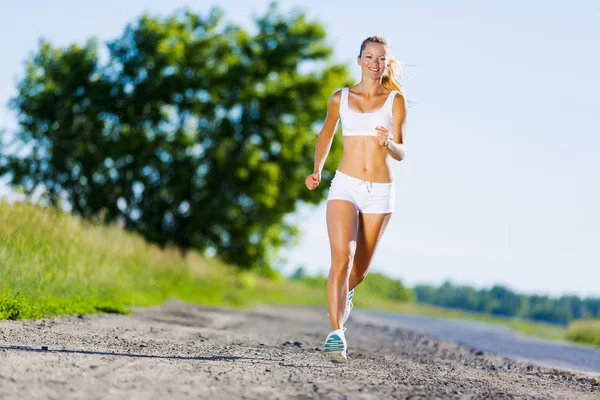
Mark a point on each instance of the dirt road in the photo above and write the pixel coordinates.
(180, 351)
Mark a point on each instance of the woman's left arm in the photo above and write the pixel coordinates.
(395, 145)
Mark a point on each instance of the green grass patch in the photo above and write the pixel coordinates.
(585, 331)
(54, 263)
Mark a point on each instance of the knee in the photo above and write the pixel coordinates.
(341, 260)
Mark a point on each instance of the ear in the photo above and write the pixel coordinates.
(358, 60)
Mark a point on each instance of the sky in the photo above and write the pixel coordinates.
(500, 181)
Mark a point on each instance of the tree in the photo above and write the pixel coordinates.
(299, 273)
(194, 132)
(500, 300)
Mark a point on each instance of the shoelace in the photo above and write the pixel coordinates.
(368, 185)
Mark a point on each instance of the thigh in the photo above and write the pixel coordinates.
(342, 222)
(370, 231)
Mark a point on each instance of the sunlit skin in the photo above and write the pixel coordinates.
(354, 236)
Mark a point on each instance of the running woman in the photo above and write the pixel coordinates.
(361, 196)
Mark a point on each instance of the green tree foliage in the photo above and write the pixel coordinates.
(503, 302)
(192, 131)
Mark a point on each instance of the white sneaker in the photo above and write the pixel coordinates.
(349, 305)
(335, 346)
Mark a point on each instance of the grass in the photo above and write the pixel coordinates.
(53, 263)
(584, 331)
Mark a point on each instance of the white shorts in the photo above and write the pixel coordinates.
(368, 197)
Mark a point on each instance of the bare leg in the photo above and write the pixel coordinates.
(342, 221)
(370, 231)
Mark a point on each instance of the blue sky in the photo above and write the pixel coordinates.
(500, 182)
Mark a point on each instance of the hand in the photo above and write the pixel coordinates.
(313, 180)
(383, 135)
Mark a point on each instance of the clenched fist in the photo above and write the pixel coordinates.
(383, 135)
(313, 180)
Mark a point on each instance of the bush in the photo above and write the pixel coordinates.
(584, 331)
(379, 285)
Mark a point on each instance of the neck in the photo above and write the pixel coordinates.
(371, 87)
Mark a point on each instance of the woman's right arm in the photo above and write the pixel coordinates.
(325, 139)
(327, 131)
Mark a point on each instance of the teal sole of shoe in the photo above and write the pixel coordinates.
(335, 349)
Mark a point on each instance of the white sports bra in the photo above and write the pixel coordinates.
(355, 123)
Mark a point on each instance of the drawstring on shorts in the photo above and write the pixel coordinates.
(367, 184)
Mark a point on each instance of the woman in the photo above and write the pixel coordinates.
(361, 196)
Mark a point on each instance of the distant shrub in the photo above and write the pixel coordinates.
(584, 331)
(379, 285)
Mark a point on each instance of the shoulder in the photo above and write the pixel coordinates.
(337, 96)
(333, 104)
(399, 101)
(399, 105)
(335, 99)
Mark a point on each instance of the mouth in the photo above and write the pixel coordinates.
(374, 69)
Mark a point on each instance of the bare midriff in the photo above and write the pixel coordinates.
(364, 158)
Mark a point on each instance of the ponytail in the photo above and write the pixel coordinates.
(391, 80)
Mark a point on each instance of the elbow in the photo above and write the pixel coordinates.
(400, 154)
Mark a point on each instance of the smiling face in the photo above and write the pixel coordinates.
(374, 60)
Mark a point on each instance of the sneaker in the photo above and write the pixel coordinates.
(335, 346)
(349, 305)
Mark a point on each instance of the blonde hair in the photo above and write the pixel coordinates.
(391, 80)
